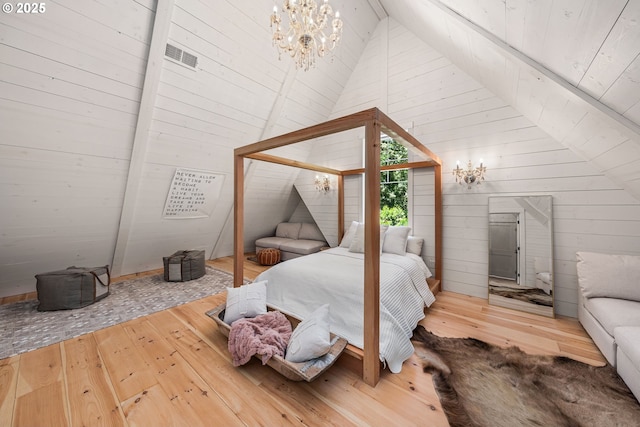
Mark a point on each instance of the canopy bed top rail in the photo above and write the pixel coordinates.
(294, 163)
(341, 124)
(374, 122)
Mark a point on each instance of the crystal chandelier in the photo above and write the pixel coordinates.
(469, 175)
(306, 36)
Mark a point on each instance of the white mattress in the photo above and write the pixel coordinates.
(336, 277)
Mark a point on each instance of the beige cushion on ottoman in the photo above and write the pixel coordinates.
(268, 256)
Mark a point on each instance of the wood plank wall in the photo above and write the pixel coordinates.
(70, 92)
(69, 97)
(459, 119)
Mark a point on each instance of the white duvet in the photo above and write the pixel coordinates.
(336, 277)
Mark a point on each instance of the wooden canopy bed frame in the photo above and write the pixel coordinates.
(374, 122)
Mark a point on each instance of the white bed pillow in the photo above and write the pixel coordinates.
(311, 338)
(609, 276)
(414, 245)
(357, 245)
(246, 301)
(395, 239)
(348, 236)
(288, 230)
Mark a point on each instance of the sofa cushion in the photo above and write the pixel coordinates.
(606, 275)
(271, 242)
(289, 230)
(310, 232)
(628, 340)
(302, 246)
(612, 312)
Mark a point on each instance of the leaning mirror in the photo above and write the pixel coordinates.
(521, 253)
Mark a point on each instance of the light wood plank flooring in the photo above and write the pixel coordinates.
(172, 368)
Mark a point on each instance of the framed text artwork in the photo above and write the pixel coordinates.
(192, 194)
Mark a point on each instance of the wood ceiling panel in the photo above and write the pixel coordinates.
(617, 53)
(539, 90)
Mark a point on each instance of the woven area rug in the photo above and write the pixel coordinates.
(23, 328)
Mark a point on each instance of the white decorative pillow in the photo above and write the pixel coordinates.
(288, 230)
(609, 276)
(311, 338)
(414, 245)
(357, 245)
(395, 240)
(348, 236)
(246, 301)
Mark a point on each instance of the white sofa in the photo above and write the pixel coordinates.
(294, 239)
(609, 310)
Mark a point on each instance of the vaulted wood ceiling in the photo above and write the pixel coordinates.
(571, 67)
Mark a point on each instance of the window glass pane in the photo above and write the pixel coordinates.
(393, 184)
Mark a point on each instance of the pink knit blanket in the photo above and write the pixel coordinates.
(266, 334)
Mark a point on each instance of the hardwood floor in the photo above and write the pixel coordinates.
(172, 368)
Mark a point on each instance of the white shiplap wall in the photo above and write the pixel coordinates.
(303, 99)
(459, 119)
(238, 94)
(86, 186)
(70, 87)
(608, 139)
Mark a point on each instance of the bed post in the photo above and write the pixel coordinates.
(371, 362)
(340, 207)
(238, 220)
(437, 172)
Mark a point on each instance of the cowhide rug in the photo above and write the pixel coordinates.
(484, 385)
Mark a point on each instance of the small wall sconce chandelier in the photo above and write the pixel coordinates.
(323, 184)
(307, 35)
(469, 175)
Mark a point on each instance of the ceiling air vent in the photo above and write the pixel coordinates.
(181, 56)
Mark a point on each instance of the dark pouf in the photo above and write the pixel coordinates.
(183, 266)
(74, 287)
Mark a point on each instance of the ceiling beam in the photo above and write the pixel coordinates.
(378, 9)
(570, 116)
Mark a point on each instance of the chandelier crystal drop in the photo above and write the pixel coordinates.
(307, 35)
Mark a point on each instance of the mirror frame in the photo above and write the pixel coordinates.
(534, 292)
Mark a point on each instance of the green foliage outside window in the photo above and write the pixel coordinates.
(393, 184)
(393, 216)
